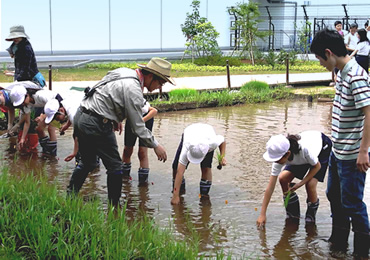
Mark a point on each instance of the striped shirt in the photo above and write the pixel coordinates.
(352, 92)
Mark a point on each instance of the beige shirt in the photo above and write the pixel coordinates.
(120, 99)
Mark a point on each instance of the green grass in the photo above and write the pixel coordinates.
(96, 71)
(252, 92)
(319, 91)
(37, 222)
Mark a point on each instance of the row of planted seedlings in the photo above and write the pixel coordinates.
(251, 92)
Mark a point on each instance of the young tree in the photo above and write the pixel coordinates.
(200, 35)
(247, 24)
(205, 39)
(304, 39)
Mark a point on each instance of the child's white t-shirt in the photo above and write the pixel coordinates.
(363, 48)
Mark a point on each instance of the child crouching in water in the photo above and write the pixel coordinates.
(305, 157)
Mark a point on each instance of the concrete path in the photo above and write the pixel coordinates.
(204, 83)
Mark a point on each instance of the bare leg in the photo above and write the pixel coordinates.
(285, 178)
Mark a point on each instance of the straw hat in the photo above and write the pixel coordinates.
(16, 31)
(159, 67)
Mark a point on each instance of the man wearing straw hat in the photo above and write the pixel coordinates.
(117, 96)
(24, 57)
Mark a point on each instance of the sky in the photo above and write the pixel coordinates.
(84, 24)
(116, 25)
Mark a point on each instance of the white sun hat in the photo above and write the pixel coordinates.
(50, 109)
(17, 31)
(17, 95)
(276, 148)
(197, 152)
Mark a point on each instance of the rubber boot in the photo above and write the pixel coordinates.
(126, 169)
(311, 211)
(114, 182)
(43, 142)
(78, 177)
(339, 238)
(182, 187)
(292, 209)
(50, 148)
(204, 187)
(143, 175)
(361, 243)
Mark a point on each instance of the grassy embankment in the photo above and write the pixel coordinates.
(252, 92)
(37, 222)
(92, 72)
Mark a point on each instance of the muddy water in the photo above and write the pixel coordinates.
(227, 219)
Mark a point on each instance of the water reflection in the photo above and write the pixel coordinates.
(199, 224)
(137, 199)
(228, 219)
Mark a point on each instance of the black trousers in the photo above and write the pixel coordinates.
(96, 138)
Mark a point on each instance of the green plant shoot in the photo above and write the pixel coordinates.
(287, 198)
(219, 159)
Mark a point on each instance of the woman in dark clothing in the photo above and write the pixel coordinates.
(24, 57)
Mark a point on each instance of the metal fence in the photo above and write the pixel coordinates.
(285, 23)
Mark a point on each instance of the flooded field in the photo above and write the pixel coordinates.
(227, 219)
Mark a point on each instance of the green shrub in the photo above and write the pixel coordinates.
(218, 60)
(182, 94)
(271, 58)
(255, 86)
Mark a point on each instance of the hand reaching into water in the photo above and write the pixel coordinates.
(261, 221)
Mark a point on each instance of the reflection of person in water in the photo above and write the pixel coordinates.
(284, 249)
(290, 245)
(201, 224)
(137, 202)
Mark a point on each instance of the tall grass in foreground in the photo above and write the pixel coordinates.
(36, 222)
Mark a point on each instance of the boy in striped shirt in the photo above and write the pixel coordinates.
(349, 160)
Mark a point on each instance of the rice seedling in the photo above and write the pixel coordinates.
(37, 221)
(219, 160)
(287, 198)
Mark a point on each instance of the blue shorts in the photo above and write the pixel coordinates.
(299, 171)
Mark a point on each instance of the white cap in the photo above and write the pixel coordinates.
(197, 152)
(17, 95)
(276, 147)
(50, 109)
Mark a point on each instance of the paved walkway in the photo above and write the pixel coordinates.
(205, 83)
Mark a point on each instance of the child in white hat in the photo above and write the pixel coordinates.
(34, 100)
(197, 146)
(305, 156)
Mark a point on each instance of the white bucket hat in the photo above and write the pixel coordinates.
(17, 95)
(159, 67)
(50, 109)
(276, 147)
(17, 31)
(197, 152)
